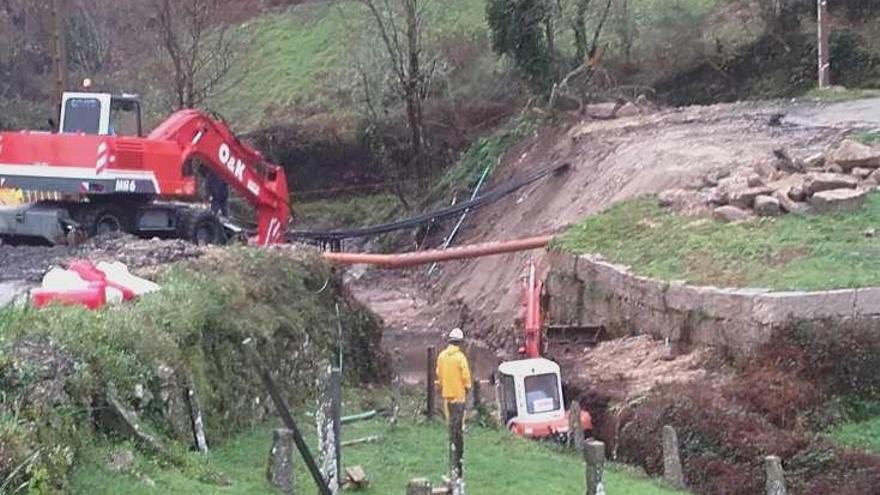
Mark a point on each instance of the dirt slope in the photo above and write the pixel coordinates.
(611, 161)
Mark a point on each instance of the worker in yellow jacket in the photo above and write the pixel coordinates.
(454, 381)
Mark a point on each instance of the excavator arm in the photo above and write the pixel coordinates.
(262, 184)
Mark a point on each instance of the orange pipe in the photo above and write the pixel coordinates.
(423, 257)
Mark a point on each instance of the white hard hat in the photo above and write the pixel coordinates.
(456, 334)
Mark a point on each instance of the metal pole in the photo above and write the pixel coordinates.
(824, 45)
(452, 234)
(286, 417)
(429, 379)
(339, 336)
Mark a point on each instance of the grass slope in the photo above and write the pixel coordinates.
(300, 57)
(496, 463)
(792, 252)
(864, 435)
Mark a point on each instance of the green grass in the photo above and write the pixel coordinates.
(303, 57)
(868, 137)
(496, 463)
(838, 95)
(792, 252)
(863, 435)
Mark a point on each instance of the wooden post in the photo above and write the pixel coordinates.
(395, 388)
(419, 486)
(594, 456)
(672, 471)
(824, 30)
(280, 472)
(475, 380)
(328, 422)
(575, 427)
(336, 411)
(775, 484)
(429, 379)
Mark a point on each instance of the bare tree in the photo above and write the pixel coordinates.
(200, 47)
(400, 24)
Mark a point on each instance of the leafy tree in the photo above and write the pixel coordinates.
(518, 30)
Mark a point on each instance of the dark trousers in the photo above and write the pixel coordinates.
(456, 438)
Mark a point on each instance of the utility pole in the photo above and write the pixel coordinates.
(824, 45)
(59, 48)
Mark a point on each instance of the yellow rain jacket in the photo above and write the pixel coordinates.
(453, 374)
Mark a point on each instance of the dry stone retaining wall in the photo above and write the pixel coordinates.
(586, 289)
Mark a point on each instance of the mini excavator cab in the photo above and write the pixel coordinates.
(101, 114)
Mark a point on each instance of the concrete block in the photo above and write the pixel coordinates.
(562, 261)
(585, 269)
(728, 304)
(867, 302)
(685, 298)
(646, 291)
(778, 307)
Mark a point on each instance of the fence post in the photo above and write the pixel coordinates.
(395, 387)
(429, 379)
(328, 422)
(575, 427)
(280, 471)
(594, 456)
(672, 471)
(775, 476)
(419, 486)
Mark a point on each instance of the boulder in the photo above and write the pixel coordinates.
(755, 180)
(838, 200)
(815, 161)
(787, 204)
(767, 206)
(861, 173)
(732, 214)
(745, 198)
(784, 162)
(797, 193)
(851, 154)
(828, 182)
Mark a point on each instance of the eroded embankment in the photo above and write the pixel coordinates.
(60, 368)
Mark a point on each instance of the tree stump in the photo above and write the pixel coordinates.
(280, 470)
(672, 471)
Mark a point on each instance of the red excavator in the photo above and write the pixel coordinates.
(530, 389)
(104, 175)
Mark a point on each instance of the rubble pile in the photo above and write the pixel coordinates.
(29, 263)
(836, 180)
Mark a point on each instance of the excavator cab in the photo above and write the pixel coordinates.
(101, 114)
(530, 396)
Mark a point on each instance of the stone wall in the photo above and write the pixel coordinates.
(589, 290)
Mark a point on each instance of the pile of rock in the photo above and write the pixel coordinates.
(837, 180)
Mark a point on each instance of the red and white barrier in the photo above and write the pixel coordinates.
(85, 284)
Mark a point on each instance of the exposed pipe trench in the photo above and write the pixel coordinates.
(437, 255)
